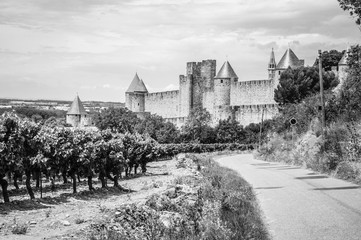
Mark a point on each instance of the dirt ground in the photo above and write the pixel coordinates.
(62, 215)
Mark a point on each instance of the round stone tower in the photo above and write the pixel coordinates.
(222, 85)
(135, 95)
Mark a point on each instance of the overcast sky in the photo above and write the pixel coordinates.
(52, 49)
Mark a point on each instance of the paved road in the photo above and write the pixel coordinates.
(301, 204)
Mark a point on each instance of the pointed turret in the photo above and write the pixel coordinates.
(76, 107)
(137, 85)
(289, 59)
(272, 61)
(226, 71)
(135, 95)
(272, 65)
(222, 85)
(77, 116)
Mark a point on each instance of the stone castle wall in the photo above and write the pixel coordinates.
(201, 75)
(165, 104)
(252, 92)
(185, 95)
(79, 120)
(208, 100)
(247, 114)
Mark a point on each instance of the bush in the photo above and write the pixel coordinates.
(349, 171)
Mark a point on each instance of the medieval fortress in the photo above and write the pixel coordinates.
(221, 94)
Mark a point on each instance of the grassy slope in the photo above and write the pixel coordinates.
(219, 205)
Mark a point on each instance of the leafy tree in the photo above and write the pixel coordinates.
(297, 84)
(330, 59)
(158, 129)
(118, 120)
(229, 131)
(196, 128)
(350, 97)
(354, 7)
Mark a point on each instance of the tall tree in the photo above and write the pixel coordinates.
(118, 120)
(196, 128)
(297, 84)
(330, 59)
(354, 7)
(229, 131)
(157, 128)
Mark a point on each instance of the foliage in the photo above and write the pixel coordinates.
(196, 128)
(229, 131)
(158, 129)
(34, 113)
(118, 120)
(354, 7)
(208, 207)
(348, 101)
(297, 84)
(330, 59)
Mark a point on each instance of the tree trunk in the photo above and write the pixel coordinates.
(53, 183)
(90, 183)
(136, 168)
(116, 183)
(144, 167)
(102, 179)
(73, 176)
(16, 175)
(4, 187)
(78, 178)
(28, 184)
(63, 173)
(37, 177)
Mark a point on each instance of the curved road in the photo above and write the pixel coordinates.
(301, 204)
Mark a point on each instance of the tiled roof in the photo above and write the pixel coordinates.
(289, 59)
(226, 71)
(137, 85)
(76, 108)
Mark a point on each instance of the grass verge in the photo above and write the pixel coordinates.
(211, 203)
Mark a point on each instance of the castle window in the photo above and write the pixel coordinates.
(279, 72)
(221, 80)
(138, 104)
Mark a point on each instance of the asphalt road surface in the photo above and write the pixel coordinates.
(301, 204)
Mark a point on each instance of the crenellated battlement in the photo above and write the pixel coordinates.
(220, 93)
(163, 94)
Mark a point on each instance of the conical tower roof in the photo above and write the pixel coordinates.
(76, 107)
(289, 59)
(343, 60)
(137, 85)
(226, 71)
(272, 60)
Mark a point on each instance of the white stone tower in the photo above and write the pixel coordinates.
(135, 95)
(77, 116)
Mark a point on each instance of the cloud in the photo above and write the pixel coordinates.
(63, 45)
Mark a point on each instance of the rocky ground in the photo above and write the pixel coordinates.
(61, 215)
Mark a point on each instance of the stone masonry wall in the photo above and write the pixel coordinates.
(185, 95)
(165, 104)
(208, 100)
(252, 92)
(202, 79)
(247, 114)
